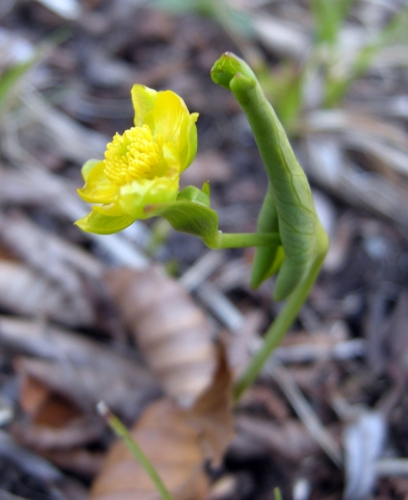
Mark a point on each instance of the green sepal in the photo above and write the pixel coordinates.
(98, 223)
(190, 214)
(206, 189)
(192, 193)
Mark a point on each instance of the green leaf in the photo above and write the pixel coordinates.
(277, 494)
(329, 16)
(11, 76)
(189, 217)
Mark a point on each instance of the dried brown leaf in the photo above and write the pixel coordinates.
(55, 422)
(76, 432)
(171, 444)
(46, 408)
(33, 395)
(170, 329)
(211, 415)
(177, 442)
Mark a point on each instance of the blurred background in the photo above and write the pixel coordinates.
(328, 419)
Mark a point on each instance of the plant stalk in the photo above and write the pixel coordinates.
(242, 240)
(282, 322)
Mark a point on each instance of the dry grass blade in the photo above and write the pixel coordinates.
(331, 169)
(26, 291)
(170, 329)
(45, 251)
(78, 368)
(306, 413)
(363, 441)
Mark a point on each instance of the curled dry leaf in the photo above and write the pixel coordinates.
(177, 441)
(170, 329)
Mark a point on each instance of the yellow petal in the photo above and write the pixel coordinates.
(143, 100)
(98, 223)
(98, 188)
(112, 210)
(134, 197)
(171, 158)
(88, 167)
(170, 116)
(188, 142)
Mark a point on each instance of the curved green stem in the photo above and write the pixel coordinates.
(241, 240)
(282, 322)
(121, 431)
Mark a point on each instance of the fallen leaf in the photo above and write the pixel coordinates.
(33, 395)
(177, 441)
(169, 328)
(211, 415)
(173, 446)
(76, 432)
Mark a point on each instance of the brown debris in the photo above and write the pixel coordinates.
(169, 328)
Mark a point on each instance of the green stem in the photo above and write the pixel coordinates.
(241, 240)
(282, 322)
(121, 431)
(277, 494)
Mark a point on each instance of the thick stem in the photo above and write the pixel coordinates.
(241, 240)
(282, 322)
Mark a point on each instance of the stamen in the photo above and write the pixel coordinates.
(133, 155)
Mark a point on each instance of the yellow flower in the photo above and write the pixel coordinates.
(142, 166)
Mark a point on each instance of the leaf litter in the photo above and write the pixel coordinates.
(70, 333)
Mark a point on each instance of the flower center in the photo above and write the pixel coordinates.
(133, 155)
